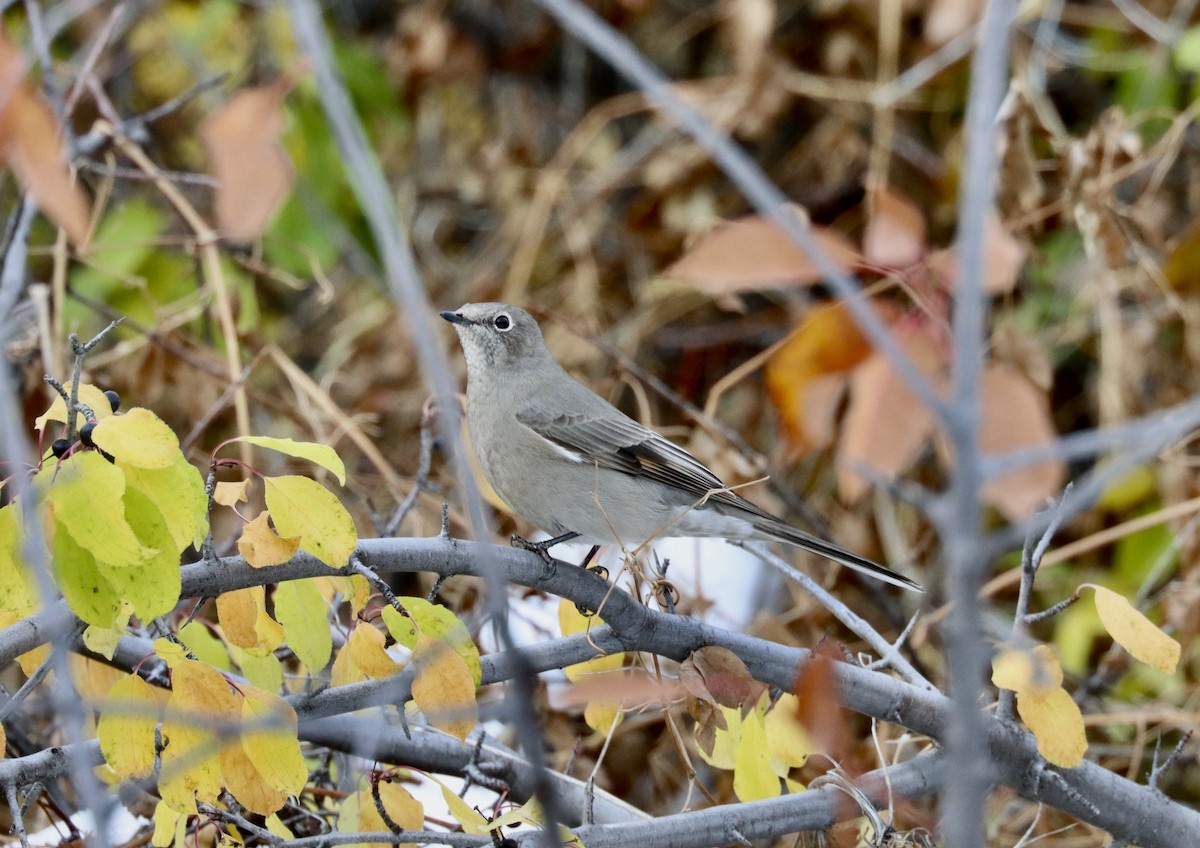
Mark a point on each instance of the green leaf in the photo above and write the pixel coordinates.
(265, 672)
(178, 492)
(205, 646)
(301, 610)
(322, 455)
(1187, 51)
(436, 622)
(87, 591)
(87, 498)
(304, 508)
(152, 586)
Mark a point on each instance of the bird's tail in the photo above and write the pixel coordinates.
(782, 532)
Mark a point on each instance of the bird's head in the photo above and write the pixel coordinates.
(497, 336)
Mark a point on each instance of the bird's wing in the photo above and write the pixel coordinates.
(621, 444)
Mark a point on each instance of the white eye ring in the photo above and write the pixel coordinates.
(502, 322)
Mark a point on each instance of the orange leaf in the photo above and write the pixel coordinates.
(886, 424)
(754, 253)
(803, 376)
(31, 144)
(252, 169)
(895, 234)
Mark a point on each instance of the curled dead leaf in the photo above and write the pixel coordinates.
(754, 253)
(886, 424)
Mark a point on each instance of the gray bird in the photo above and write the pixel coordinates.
(573, 465)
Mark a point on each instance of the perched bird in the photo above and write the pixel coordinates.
(573, 465)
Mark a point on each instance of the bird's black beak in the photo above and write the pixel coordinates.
(457, 318)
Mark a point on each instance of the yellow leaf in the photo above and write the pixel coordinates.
(601, 714)
(1037, 672)
(277, 827)
(102, 640)
(138, 438)
(89, 396)
(304, 508)
(1056, 723)
(178, 493)
(260, 545)
(786, 740)
(1136, 633)
(126, 730)
(443, 688)
(231, 494)
(753, 779)
(462, 812)
(572, 621)
(273, 750)
(725, 740)
(322, 455)
(245, 622)
(362, 658)
(168, 826)
(301, 610)
(16, 589)
(87, 498)
(359, 815)
(200, 705)
(436, 622)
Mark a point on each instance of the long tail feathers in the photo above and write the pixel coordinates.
(786, 533)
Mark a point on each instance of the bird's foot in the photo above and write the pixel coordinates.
(542, 548)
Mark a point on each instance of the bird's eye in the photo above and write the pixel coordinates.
(502, 323)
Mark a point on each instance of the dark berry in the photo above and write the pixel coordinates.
(114, 399)
(85, 434)
(60, 447)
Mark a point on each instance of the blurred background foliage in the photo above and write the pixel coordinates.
(527, 171)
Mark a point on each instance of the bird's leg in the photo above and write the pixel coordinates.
(586, 565)
(542, 549)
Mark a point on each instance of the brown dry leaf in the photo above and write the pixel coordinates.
(252, 170)
(803, 376)
(886, 424)
(1016, 416)
(753, 253)
(819, 704)
(1003, 257)
(719, 676)
(31, 144)
(895, 234)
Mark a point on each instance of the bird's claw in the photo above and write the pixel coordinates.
(542, 549)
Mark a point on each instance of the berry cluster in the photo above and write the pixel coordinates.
(60, 447)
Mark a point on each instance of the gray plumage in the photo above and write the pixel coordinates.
(568, 461)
